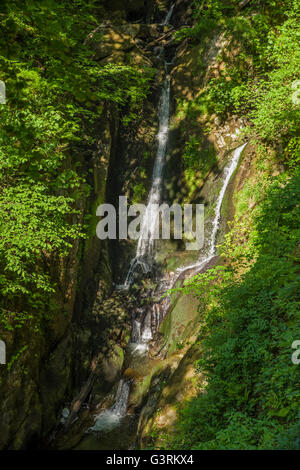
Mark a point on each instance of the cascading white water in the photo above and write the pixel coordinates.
(136, 332)
(109, 419)
(141, 335)
(142, 332)
(169, 16)
(150, 220)
(120, 405)
(146, 240)
(228, 171)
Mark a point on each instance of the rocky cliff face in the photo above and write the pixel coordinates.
(36, 382)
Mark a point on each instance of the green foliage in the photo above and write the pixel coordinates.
(139, 193)
(275, 115)
(250, 312)
(250, 307)
(33, 224)
(258, 80)
(56, 92)
(197, 161)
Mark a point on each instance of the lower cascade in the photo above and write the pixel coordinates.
(143, 330)
(107, 420)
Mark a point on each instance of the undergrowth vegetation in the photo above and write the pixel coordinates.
(55, 95)
(250, 318)
(250, 306)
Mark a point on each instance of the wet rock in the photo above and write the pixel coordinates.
(112, 364)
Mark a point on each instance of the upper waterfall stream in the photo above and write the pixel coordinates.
(145, 244)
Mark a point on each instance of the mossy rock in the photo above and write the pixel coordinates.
(179, 323)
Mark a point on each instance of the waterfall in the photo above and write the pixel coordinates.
(228, 172)
(147, 332)
(150, 220)
(169, 15)
(109, 419)
(142, 330)
(145, 325)
(120, 405)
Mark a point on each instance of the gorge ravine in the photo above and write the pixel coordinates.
(146, 325)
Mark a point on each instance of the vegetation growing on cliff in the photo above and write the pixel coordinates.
(56, 92)
(256, 81)
(57, 95)
(250, 307)
(250, 318)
